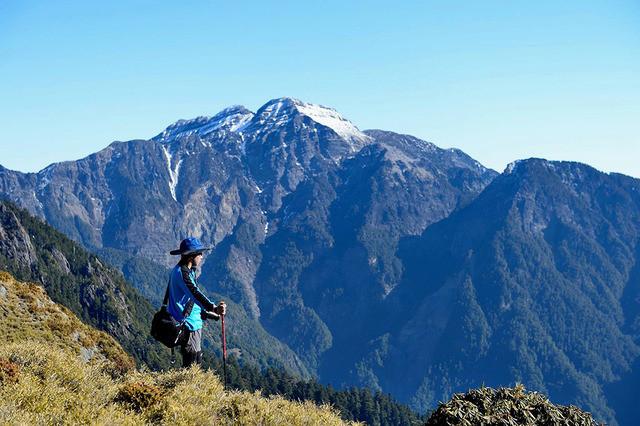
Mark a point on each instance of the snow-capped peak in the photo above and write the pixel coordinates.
(231, 119)
(279, 111)
(273, 114)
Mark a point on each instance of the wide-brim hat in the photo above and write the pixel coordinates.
(189, 246)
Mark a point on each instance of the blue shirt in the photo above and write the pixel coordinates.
(183, 288)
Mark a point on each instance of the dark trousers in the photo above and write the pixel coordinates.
(191, 350)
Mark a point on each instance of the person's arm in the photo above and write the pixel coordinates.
(201, 299)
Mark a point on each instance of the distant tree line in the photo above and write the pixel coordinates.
(359, 404)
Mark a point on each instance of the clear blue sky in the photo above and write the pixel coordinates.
(502, 80)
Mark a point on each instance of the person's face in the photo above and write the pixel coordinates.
(197, 259)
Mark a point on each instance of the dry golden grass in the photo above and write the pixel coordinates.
(47, 377)
(27, 313)
(54, 386)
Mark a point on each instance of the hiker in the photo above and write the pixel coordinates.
(187, 301)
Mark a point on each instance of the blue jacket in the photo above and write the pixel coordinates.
(183, 288)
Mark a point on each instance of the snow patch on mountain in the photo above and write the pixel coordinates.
(274, 114)
(174, 171)
(278, 112)
(231, 119)
(330, 118)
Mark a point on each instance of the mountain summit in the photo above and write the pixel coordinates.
(279, 111)
(270, 117)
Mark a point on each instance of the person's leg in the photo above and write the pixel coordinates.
(192, 349)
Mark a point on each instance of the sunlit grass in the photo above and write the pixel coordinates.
(56, 370)
(55, 386)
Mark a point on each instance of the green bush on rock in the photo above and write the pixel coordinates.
(506, 406)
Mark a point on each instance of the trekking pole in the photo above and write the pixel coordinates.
(224, 352)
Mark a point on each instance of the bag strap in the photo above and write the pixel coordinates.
(188, 308)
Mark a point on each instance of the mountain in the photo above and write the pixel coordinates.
(535, 281)
(378, 258)
(371, 257)
(100, 296)
(303, 208)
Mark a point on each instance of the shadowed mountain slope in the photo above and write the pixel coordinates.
(534, 281)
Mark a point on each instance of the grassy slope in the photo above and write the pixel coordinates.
(28, 314)
(53, 387)
(45, 377)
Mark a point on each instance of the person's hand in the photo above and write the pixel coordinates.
(221, 309)
(210, 315)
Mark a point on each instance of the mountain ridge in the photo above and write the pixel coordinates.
(574, 271)
(311, 235)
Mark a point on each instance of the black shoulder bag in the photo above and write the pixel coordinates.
(165, 329)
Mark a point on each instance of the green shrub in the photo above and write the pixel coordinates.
(506, 406)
